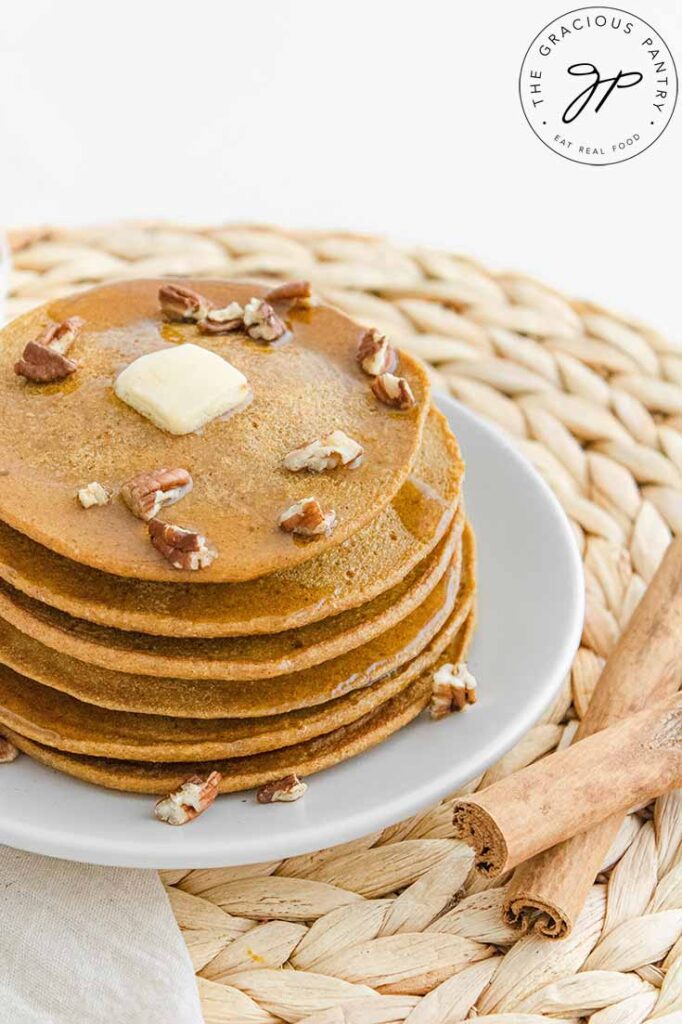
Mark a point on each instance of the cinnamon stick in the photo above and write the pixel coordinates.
(548, 891)
(617, 768)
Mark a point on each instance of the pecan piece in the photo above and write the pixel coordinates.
(8, 752)
(43, 365)
(193, 797)
(60, 337)
(44, 359)
(393, 391)
(299, 293)
(222, 321)
(179, 303)
(453, 688)
(150, 491)
(184, 549)
(306, 518)
(94, 494)
(261, 321)
(375, 355)
(327, 452)
(288, 789)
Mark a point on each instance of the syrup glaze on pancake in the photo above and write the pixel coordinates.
(57, 720)
(376, 559)
(217, 658)
(241, 773)
(202, 699)
(58, 437)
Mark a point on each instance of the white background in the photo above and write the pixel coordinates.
(394, 116)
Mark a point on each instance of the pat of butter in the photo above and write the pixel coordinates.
(180, 389)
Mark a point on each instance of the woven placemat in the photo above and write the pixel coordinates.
(594, 400)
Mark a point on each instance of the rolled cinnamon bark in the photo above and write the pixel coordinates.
(615, 769)
(548, 891)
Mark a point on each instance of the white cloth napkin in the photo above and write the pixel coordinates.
(81, 944)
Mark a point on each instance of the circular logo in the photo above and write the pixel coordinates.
(598, 85)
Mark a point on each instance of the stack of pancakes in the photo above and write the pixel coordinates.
(284, 655)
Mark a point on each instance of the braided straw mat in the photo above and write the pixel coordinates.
(394, 926)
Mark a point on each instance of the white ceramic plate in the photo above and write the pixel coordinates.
(529, 624)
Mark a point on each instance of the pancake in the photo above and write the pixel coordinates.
(200, 699)
(57, 720)
(224, 658)
(241, 773)
(55, 438)
(262, 657)
(371, 562)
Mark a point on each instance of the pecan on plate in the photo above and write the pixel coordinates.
(453, 688)
(8, 752)
(375, 355)
(94, 494)
(179, 303)
(284, 790)
(44, 359)
(193, 797)
(327, 452)
(184, 549)
(261, 321)
(223, 321)
(150, 491)
(307, 519)
(393, 391)
(299, 293)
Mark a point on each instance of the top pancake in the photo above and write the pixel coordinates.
(58, 437)
(371, 562)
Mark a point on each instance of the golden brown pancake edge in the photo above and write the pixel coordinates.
(56, 720)
(293, 650)
(188, 659)
(199, 698)
(304, 759)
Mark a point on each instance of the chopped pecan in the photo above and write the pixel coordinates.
(299, 293)
(393, 391)
(193, 797)
(261, 321)
(375, 355)
(150, 491)
(184, 549)
(42, 365)
(222, 321)
(60, 337)
(453, 688)
(179, 303)
(94, 494)
(8, 752)
(44, 359)
(282, 790)
(306, 518)
(327, 452)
